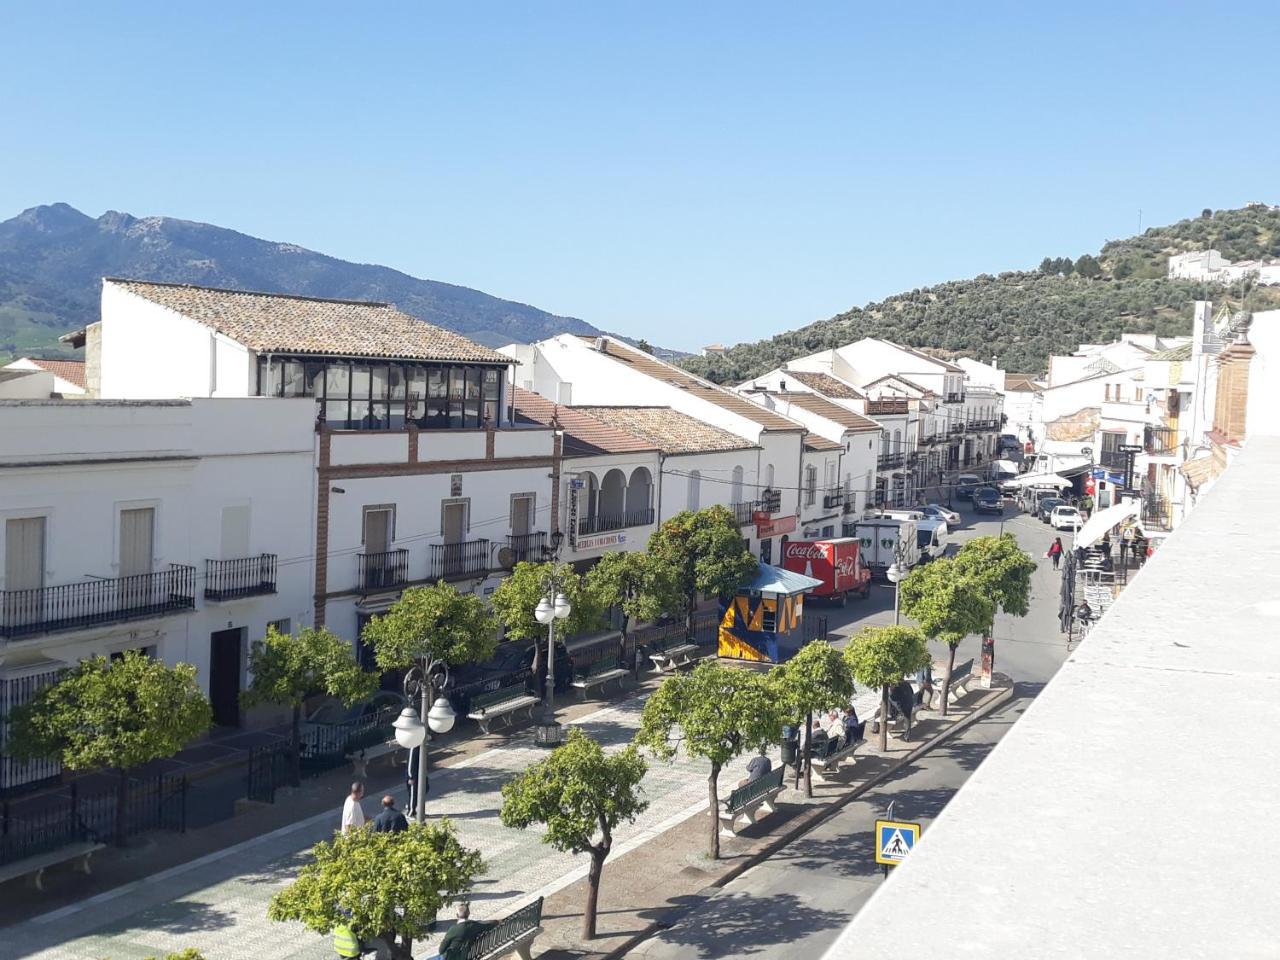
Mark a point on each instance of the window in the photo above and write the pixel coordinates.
(24, 553)
(695, 489)
(284, 625)
(379, 528)
(137, 531)
(829, 530)
(769, 616)
(810, 485)
(1106, 392)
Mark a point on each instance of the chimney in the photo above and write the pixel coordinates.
(782, 386)
(602, 345)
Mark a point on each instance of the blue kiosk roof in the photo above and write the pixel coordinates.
(770, 579)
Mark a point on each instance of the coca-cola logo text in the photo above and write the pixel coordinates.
(805, 551)
(847, 566)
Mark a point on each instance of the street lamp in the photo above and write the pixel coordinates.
(894, 573)
(412, 734)
(552, 607)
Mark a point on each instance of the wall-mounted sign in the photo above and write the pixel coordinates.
(573, 513)
(455, 485)
(603, 540)
(776, 526)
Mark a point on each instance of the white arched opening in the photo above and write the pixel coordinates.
(639, 496)
(613, 495)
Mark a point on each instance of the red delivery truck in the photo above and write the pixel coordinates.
(837, 563)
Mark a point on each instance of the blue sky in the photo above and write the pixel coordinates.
(689, 172)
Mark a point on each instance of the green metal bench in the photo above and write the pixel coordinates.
(599, 674)
(749, 798)
(513, 934)
(504, 703)
(826, 756)
(671, 653)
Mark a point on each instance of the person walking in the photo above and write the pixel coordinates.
(1055, 552)
(352, 811)
(390, 820)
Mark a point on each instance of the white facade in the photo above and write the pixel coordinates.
(59, 385)
(1210, 266)
(181, 528)
(617, 504)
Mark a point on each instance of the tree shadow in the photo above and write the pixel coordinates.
(278, 872)
(176, 917)
(736, 924)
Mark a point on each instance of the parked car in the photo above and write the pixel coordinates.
(988, 500)
(1045, 507)
(511, 664)
(1008, 442)
(331, 710)
(936, 511)
(967, 484)
(1065, 518)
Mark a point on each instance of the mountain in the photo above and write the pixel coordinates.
(1022, 317)
(53, 258)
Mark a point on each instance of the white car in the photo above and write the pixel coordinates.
(936, 511)
(1064, 517)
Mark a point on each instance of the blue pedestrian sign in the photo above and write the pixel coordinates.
(894, 840)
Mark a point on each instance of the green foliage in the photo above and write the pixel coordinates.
(704, 552)
(191, 953)
(1001, 570)
(641, 585)
(881, 656)
(947, 604)
(717, 713)
(817, 678)
(643, 344)
(288, 668)
(1087, 266)
(392, 883)
(117, 714)
(579, 792)
(517, 597)
(434, 623)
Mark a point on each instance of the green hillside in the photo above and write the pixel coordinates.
(1024, 316)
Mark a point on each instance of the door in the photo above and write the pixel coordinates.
(521, 521)
(454, 530)
(23, 571)
(224, 675)
(378, 564)
(137, 556)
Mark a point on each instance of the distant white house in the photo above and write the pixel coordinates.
(64, 378)
(1210, 266)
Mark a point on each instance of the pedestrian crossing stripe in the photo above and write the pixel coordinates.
(894, 840)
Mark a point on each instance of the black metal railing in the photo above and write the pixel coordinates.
(887, 461)
(833, 498)
(956, 426)
(770, 500)
(1160, 441)
(268, 768)
(604, 522)
(326, 745)
(955, 398)
(527, 546)
(1113, 458)
(450, 561)
(744, 512)
(25, 613)
(242, 577)
(383, 571)
(1157, 512)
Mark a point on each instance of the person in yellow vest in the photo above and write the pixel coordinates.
(345, 942)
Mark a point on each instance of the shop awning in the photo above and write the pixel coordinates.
(1102, 521)
(1201, 471)
(1038, 480)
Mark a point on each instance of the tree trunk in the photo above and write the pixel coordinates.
(808, 754)
(690, 614)
(884, 718)
(946, 683)
(122, 807)
(295, 736)
(714, 799)
(598, 854)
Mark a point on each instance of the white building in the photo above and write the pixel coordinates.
(603, 371)
(182, 528)
(1210, 266)
(1024, 407)
(66, 377)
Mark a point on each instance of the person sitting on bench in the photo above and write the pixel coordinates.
(757, 768)
(853, 727)
(461, 935)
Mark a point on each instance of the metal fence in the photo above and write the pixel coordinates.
(326, 745)
(25, 613)
(269, 767)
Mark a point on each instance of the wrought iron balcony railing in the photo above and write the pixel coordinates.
(453, 561)
(602, 523)
(383, 571)
(242, 577)
(26, 613)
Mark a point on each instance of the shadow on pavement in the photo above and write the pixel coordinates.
(734, 924)
(178, 916)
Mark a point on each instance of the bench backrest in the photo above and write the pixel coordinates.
(486, 700)
(960, 671)
(822, 749)
(508, 929)
(751, 791)
(603, 665)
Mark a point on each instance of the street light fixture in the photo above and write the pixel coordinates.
(411, 733)
(894, 573)
(552, 607)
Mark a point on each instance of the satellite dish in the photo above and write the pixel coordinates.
(506, 558)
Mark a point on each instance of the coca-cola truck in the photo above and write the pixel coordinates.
(837, 563)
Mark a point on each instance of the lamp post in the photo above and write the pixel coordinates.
(410, 732)
(894, 573)
(552, 607)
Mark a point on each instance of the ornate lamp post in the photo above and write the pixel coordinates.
(895, 574)
(410, 732)
(552, 607)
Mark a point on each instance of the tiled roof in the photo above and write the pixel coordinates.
(825, 384)
(924, 391)
(584, 435)
(669, 430)
(823, 407)
(268, 322)
(69, 370)
(725, 399)
(947, 366)
(1021, 381)
(814, 442)
(1182, 352)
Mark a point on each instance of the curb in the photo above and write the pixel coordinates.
(809, 820)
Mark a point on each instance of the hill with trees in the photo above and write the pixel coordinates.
(1022, 317)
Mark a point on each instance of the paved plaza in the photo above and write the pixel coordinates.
(219, 904)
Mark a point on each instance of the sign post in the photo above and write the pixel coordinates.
(894, 840)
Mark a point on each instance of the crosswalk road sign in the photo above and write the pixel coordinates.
(894, 840)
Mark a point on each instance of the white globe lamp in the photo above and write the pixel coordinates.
(440, 717)
(409, 729)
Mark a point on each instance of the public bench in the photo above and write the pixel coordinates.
(672, 653)
(488, 707)
(827, 754)
(35, 866)
(513, 934)
(961, 674)
(360, 759)
(747, 799)
(599, 674)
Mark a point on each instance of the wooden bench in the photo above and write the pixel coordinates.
(674, 654)
(500, 703)
(599, 674)
(512, 934)
(34, 867)
(360, 759)
(747, 799)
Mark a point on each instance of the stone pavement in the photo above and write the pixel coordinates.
(218, 903)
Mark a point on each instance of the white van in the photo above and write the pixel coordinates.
(883, 540)
(931, 538)
(896, 515)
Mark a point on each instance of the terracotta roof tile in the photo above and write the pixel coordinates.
(825, 384)
(814, 442)
(289, 324)
(823, 407)
(69, 370)
(584, 435)
(670, 430)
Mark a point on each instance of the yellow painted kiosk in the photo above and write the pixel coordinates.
(764, 621)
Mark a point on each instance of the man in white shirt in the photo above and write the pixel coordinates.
(352, 812)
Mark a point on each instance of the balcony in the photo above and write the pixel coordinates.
(770, 501)
(955, 398)
(1157, 512)
(26, 613)
(744, 512)
(885, 407)
(887, 461)
(833, 498)
(243, 577)
(602, 523)
(955, 427)
(1113, 459)
(456, 561)
(383, 571)
(529, 547)
(1160, 441)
